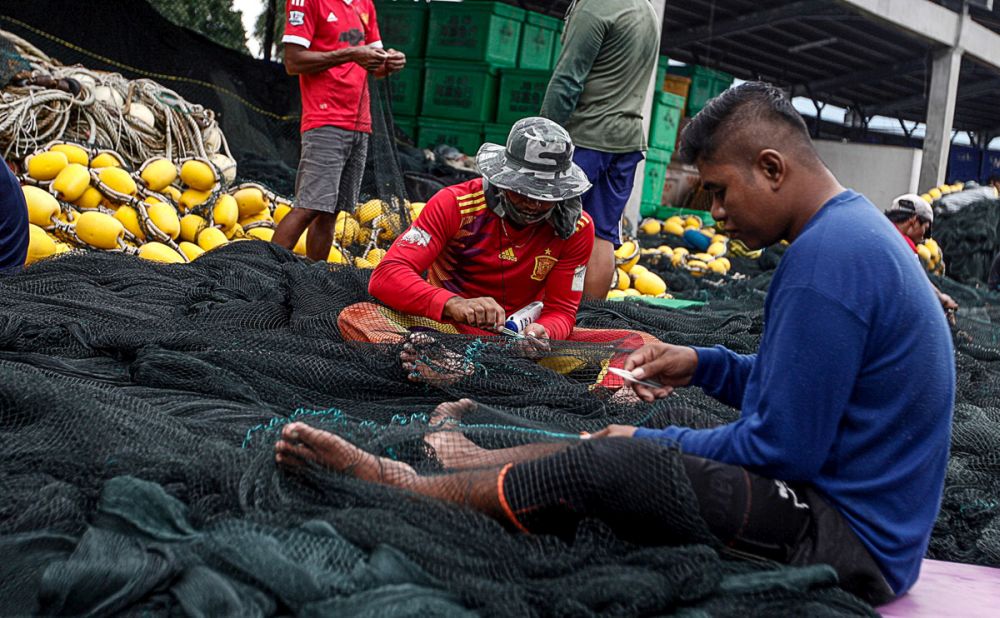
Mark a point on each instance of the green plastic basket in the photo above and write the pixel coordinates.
(466, 136)
(406, 88)
(496, 133)
(475, 30)
(459, 90)
(706, 84)
(537, 41)
(521, 94)
(403, 26)
(407, 124)
(655, 176)
(667, 111)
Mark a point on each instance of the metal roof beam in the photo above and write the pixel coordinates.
(934, 23)
(751, 21)
(964, 92)
(869, 76)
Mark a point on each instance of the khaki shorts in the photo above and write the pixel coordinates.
(331, 167)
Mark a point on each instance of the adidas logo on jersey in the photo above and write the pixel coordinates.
(331, 17)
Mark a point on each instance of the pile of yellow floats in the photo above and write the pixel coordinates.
(172, 211)
(697, 255)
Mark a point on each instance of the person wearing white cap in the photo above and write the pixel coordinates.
(913, 216)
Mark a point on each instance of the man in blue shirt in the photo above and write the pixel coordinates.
(13, 223)
(831, 461)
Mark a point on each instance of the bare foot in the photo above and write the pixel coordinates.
(426, 361)
(450, 445)
(300, 441)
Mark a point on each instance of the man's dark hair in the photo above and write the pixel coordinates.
(900, 216)
(740, 107)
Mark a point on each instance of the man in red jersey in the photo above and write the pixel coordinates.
(913, 216)
(491, 246)
(332, 45)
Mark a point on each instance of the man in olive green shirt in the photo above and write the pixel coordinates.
(598, 92)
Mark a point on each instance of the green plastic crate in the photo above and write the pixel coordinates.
(466, 136)
(403, 26)
(557, 43)
(521, 94)
(706, 84)
(475, 30)
(648, 209)
(496, 133)
(537, 40)
(656, 175)
(661, 71)
(406, 88)
(667, 111)
(406, 124)
(459, 90)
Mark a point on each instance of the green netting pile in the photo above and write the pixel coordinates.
(139, 405)
(969, 238)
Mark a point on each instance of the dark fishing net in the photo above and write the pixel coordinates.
(969, 238)
(139, 408)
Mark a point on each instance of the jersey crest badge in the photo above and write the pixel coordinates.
(543, 266)
(416, 236)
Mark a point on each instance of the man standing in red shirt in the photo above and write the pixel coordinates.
(332, 45)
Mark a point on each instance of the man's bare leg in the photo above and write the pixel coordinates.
(457, 452)
(320, 237)
(475, 488)
(600, 270)
(291, 227)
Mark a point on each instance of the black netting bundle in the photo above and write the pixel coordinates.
(140, 404)
(969, 238)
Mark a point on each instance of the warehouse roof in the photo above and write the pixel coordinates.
(837, 51)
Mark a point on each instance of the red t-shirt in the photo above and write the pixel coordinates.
(909, 241)
(467, 251)
(339, 95)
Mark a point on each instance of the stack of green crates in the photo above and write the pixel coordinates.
(706, 84)
(468, 44)
(475, 30)
(655, 177)
(403, 26)
(521, 94)
(466, 136)
(665, 121)
(538, 42)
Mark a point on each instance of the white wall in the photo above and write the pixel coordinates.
(881, 173)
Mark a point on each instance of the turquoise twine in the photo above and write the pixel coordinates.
(978, 506)
(280, 421)
(337, 417)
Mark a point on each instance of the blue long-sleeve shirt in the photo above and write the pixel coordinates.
(13, 222)
(852, 387)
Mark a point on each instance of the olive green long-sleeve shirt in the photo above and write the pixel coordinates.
(598, 88)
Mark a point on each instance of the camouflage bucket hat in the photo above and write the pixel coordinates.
(536, 162)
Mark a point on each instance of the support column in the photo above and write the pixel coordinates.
(940, 116)
(635, 200)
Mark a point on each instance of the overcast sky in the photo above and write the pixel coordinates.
(251, 9)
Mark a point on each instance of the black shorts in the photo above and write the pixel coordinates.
(633, 486)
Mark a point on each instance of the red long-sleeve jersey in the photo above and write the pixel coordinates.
(468, 251)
